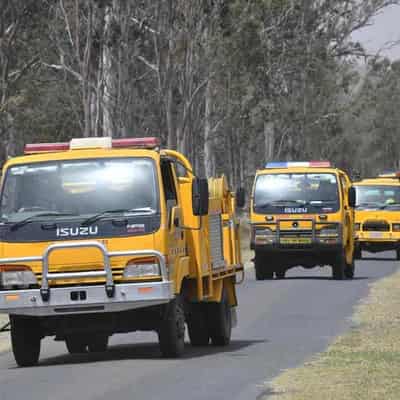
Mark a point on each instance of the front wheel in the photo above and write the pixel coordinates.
(262, 270)
(197, 324)
(76, 344)
(349, 270)
(357, 253)
(171, 333)
(220, 321)
(25, 340)
(339, 266)
(98, 343)
(280, 273)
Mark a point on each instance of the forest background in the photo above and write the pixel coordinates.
(230, 83)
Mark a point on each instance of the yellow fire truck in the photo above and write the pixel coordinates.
(102, 236)
(301, 213)
(378, 214)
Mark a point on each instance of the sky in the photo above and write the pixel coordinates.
(385, 28)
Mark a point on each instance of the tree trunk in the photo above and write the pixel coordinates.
(108, 73)
(269, 138)
(209, 161)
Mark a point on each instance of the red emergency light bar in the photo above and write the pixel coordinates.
(320, 164)
(45, 147)
(138, 143)
(143, 143)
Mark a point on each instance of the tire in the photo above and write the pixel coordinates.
(357, 253)
(197, 324)
(98, 343)
(398, 254)
(171, 333)
(280, 273)
(262, 272)
(220, 321)
(25, 340)
(339, 266)
(349, 270)
(76, 344)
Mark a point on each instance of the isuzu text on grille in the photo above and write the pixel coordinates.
(78, 231)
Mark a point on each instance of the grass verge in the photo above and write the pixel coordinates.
(363, 364)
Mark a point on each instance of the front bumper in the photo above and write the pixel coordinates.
(297, 239)
(377, 237)
(85, 298)
(314, 247)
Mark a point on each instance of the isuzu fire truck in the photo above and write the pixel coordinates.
(102, 236)
(301, 213)
(378, 214)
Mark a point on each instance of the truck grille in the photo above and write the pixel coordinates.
(376, 225)
(306, 233)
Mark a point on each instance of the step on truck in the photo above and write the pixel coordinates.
(101, 236)
(378, 214)
(301, 214)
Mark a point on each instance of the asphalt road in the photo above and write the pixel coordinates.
(281, 323)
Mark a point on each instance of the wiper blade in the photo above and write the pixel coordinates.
(390, 205)
(297, 202)
(107, 213)
(279, 202)
(320, 202)
(25, 221)
(362, 205)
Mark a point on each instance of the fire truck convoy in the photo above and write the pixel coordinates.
(302, 213)
(102, 236)
(378, 214)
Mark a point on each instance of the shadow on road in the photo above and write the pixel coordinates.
(145, 351)
(320, 278)
(378, 259)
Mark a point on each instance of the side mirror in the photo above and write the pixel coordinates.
(240, 197)
(200, 196)
(352, 197)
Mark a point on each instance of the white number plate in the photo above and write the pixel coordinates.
(375, 235)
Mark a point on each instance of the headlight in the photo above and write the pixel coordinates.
(263, 236)
(16, 275)
(357, 227)
(396, 227)
(328, 232)
(136, 269)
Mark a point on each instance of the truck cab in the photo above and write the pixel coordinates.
(377, 214)
(301, 213)
(101, 236)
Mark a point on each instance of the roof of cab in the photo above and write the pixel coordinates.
(82, 154)
(93, 147)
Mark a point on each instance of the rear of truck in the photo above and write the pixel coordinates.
(377, 215)
(96, 238)
(301, 214)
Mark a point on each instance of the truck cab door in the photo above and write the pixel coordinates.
(176, 234)
(348, 223)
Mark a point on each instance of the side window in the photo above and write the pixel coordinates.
(171, 198)
(181, 171)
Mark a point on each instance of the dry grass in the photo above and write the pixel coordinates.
(364, 364)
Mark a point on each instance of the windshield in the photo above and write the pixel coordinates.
(296, 193)
(79, 187)
(378, 197)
